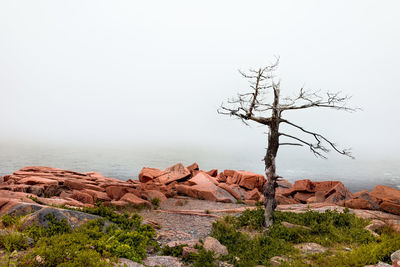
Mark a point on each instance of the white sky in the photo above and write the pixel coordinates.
(154, 72)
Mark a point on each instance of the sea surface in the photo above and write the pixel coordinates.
(126, 163)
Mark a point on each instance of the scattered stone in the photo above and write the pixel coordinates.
(190, 243)
(163, 261)
(212, 244)
(380, 264)
(128, 263)
(375, 225)
(277, 260)
(395, 256)
(312, 248)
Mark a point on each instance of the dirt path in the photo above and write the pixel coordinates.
(176, 227)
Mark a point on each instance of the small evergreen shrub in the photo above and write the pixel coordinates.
(155, 202)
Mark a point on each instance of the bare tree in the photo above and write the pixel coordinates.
(257, 106)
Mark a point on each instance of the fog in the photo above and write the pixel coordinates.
(153, 73)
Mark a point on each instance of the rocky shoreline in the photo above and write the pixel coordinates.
(57, 187)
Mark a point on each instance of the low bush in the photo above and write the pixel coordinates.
(92, 243)
(331, 229)
(156, 202)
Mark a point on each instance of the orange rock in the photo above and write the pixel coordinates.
(150, 194)
(390, 207)
(363, 200)
(302, 197)
(95, 174)
(82, 197)
(97, 195)
(149, 174)
(283, 200)
(359, 203)
(213, 173)
(249, 180)
(37, 180)
(381, 192)
(228, 173)
(324, 186)
(229, 188)
(207, 191)
(202, 178)
(338, 194)
(303, 185)
(320, 196)
(81, 184)
(193, 167)
(136, 201)
(232, 180)
(221, 178)
(283, 183)
(253, 195)
(250, 202)
(174, 173)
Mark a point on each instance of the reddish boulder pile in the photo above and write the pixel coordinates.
(306, 191)
(227, 186)
(380, 198)
(57, 187)
(51, 186)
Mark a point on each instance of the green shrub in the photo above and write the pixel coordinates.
(174, 251)
(253, 219)
(54, 227)
(91, 243)
(155, 202)
(8, 220)
(203, 259)
(10, 241)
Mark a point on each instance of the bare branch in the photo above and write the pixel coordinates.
(308, 99)
(319, 138)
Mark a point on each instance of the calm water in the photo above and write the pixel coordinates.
(126, 163)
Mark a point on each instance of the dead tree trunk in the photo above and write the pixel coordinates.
(270, 168)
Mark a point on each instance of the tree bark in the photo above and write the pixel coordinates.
(270, 168)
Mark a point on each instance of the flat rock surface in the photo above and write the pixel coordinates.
(177, 227)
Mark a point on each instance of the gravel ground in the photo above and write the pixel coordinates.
(176, 227)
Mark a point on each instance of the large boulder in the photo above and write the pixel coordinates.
(176, 172)
(149, 174)
(115, 192)
(82, 197)
(236, 191)
(390, 207)
(153, 261)
(338, 195)
(253, 195)
(363, 200)
(152, 194)
(73, 218)
(250, 180)
(134, 200)
(202, 178)
(212, 244)
(207, 191)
